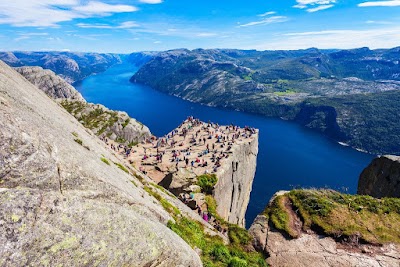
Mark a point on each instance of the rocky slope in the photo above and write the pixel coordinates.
(70, 66)
(281, 83)
(235, 180)
(381, 178)
(116, 125)
(61, 204)
(326, 228)
(53, 85)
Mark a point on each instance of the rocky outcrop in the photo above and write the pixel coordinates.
(381, 178)
(315, 250)
(53, 85)
(61, 201)
(235, 180)
(115, 125)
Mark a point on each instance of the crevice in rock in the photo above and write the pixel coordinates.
(59, 179)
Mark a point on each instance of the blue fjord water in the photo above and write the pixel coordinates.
(290, 156)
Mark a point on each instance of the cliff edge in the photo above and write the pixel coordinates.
(61, 200)
(235, 181)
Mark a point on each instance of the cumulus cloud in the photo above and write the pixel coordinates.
(314, 5)
(380, 3)
(49, 13)
(266, 21)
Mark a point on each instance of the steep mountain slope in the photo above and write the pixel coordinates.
(53, 85)
(284, 83)
(60, 203)
(70, 66)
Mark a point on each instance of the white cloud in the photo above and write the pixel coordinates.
(380, 3)
(123, 25)
(380, 22)
(49, 13)
(342, 39)
(266, 21)
(267, 14)
(151, 1)
(157, 42)
(206, 34)
(24, 36)
(128, 25)
(318, 8)
(99, 8)
(314, 5)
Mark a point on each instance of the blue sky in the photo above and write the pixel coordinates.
(143, 25)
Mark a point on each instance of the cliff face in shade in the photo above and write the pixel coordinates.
(60, 204)
(53, 85)
(381, 178)
(235, 180)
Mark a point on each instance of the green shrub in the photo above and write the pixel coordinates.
(221, 253)
(238, 235)
(207, 182)
(237, 262)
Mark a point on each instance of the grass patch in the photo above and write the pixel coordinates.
(120, 140)
(122, 167)
(75, 134)
(284, 93)
(132, 144)
(214, 252)
(207, 182)
(126, 122)
(376, 221)
(105, 160)
(79, 141)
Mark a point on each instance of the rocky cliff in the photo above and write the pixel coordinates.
(62, 202)
(326, 228)
(53, 85)
(235, 180)
(116, 125)
(381, 178)
(70, 66)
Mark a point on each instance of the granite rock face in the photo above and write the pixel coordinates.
(235, 180)
(60, 204)
(53, 85)
(381, 178)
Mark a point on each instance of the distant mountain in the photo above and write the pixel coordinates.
(72, 67)
(321, 89)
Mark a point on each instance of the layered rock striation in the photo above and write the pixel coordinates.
(381, 178)
(62, 199)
